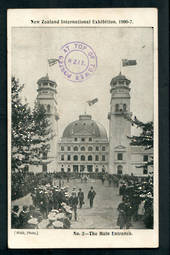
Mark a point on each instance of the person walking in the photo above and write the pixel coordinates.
(73, 202)
(81, 198)
(91, 196)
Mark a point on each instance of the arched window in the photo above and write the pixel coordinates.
(83, 158)
(48, 108)
(83, 148)
(119, 170)
(116, 107)
(145, 170)
(75, 158)
(97, 148)
(124, 107)
(90, 158)
(90, 148)
(75, 148)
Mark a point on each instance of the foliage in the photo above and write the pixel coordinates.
(145, 138)
(31, 131)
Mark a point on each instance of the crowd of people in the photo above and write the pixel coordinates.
(54, 201)
(137, 202)
(50, 204)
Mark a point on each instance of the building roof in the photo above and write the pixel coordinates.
(85, 126)
(45, 78)
(119, 78)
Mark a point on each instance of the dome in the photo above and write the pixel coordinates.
(119, 79)
(85, 126)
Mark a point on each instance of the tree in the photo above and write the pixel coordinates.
(41, 134)
(21, 119)
(31, 131)
(145, 138)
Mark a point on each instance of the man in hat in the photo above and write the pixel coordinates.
(14, 217)
(24, 217)
(91, 196)
(81, 198)
(73, 202)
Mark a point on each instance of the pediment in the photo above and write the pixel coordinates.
(120, 147)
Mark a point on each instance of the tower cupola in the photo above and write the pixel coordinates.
(120, 81)
(45, 84)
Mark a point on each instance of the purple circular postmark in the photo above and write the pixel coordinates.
(78, 61)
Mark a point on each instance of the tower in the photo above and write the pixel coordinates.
(47, 97)
(119, 126)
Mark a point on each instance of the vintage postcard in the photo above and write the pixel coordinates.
(83, 128)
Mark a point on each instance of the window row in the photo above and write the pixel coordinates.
(120, 108)
(83, 158)
(120, 157)
(76, 148)
(83, 139)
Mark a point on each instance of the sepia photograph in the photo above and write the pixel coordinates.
(82, 127)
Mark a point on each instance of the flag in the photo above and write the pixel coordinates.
(126, 62)
(93, 101)
(52, 61)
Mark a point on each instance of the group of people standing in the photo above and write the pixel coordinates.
(46, 198)
(136, 204)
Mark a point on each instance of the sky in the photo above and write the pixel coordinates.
(32, 47)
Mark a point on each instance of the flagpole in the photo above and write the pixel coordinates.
(120, 66)
(85, 108)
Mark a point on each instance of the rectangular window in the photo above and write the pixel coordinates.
(103, 148)
(120, 156)
(62, 148)
(62, 157)
(96, 158)
(103, 157)
(145, 158)
(68, 157)
(75, 139)
(83, 139)
(69, 148)
(45, 155)
(44, 168)
(90, 139)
